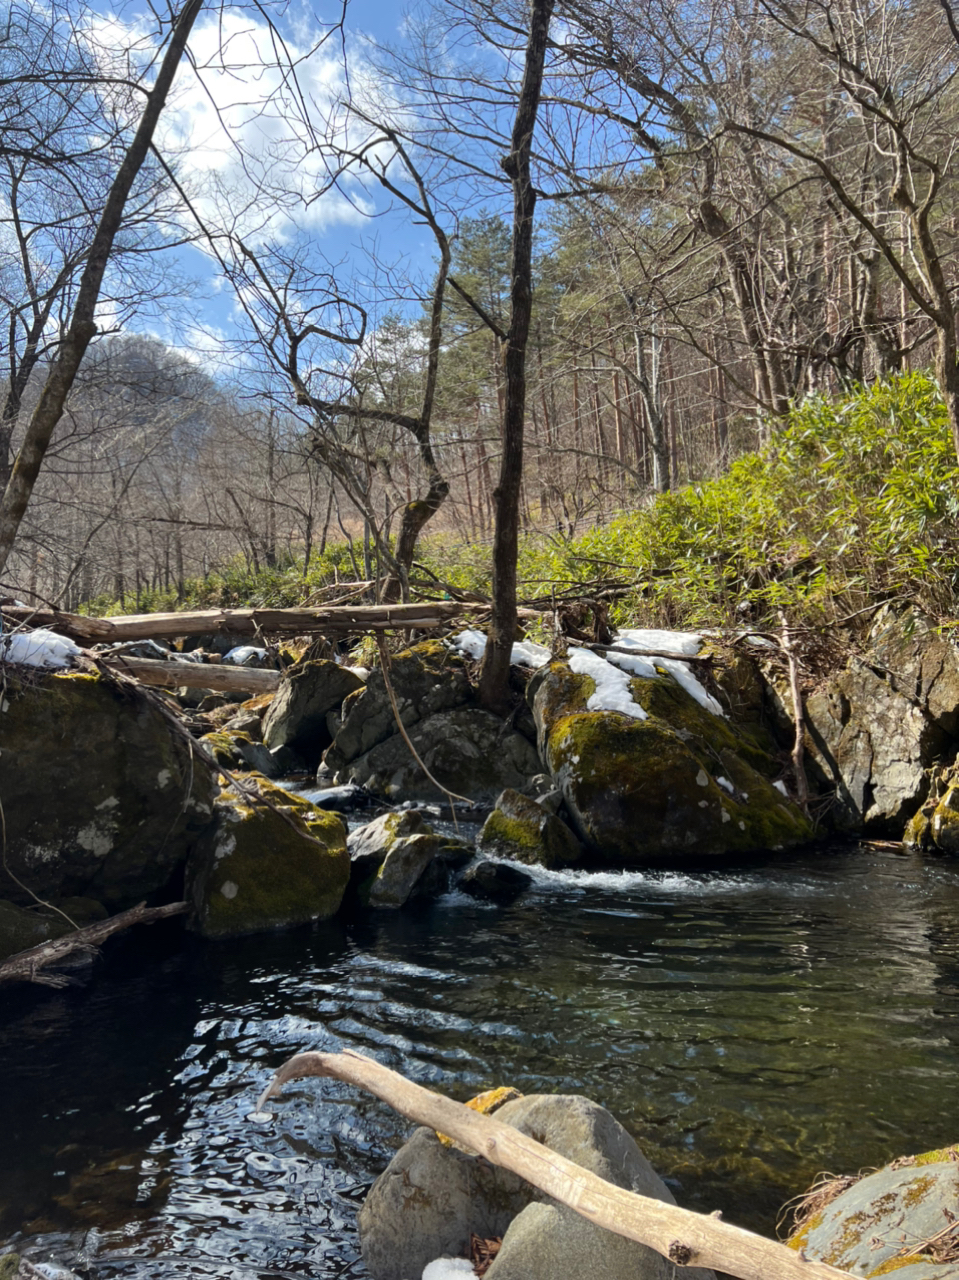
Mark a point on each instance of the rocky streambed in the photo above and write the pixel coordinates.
(622, 785)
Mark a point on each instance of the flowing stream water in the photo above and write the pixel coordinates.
(750, 1026)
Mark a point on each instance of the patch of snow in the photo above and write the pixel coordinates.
(194, 655)
(678, 642)
(681, 643)
(38, 648)
(781, 788)
(244, 653)
(726, 785)
(448, 1269)
(362, 672)
(229, 889)
(612, 685)
(525, 653)
(683, 675)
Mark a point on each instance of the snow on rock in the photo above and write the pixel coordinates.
(525, 653)
(612, 685)
(681, 643)
(38, 648)
(610, 671)
(448, 1269)
(726, 785)
(244, 654)
(781, 788)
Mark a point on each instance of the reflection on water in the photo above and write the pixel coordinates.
(751, 1027)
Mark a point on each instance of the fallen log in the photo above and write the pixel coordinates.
(687, 1239)
(332, 619)
(26, 966)
(193, 675)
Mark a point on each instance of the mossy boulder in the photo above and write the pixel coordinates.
(680, 784)
(426, 679)
(884, 1223)
(102, 797)
(267, 867)
(239, 753)
(467, 750)
(524, 831)
(297, 715)
(397, 857)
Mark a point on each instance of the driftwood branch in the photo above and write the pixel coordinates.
(27, 966)
(642, 653)
(193, 675)
(686, 1238)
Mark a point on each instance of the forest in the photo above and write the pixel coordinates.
(737, 208)
(479, 565)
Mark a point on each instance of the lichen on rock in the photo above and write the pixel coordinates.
(267, 868)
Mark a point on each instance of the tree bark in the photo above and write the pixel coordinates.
(687, 1239)
(25, 966)
(194, 675)
(82, 327)
(494, 673)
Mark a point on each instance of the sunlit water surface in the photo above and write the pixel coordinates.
(750, 1027)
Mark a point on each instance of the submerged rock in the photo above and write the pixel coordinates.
(102, 797)
(885, 1223)
(673, 781)
(525, 831)
(297, 715)
(262, 869)
(494, 881)
(432, 1196)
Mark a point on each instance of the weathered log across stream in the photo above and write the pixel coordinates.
(687, 1239)
(332, 619)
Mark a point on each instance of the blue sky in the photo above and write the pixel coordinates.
(215, 115)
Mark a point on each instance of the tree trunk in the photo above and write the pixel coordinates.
(494, 673)
(82, 327)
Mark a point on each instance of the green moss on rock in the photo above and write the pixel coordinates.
(650, 790)
(262, 869)
(520, 829)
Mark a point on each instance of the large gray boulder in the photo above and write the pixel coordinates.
(871, 745)
(102, 797)
(675, 781)
(426, 679)
(885, 1223)
(467, 750)
(298, 712)
(433, 1196)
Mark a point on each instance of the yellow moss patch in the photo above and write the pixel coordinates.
(485, 1103)
(896, 1264)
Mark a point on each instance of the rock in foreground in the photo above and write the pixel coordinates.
(432, 1196)
(896, 1221)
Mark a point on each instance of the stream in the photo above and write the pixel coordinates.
(750, 1026)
